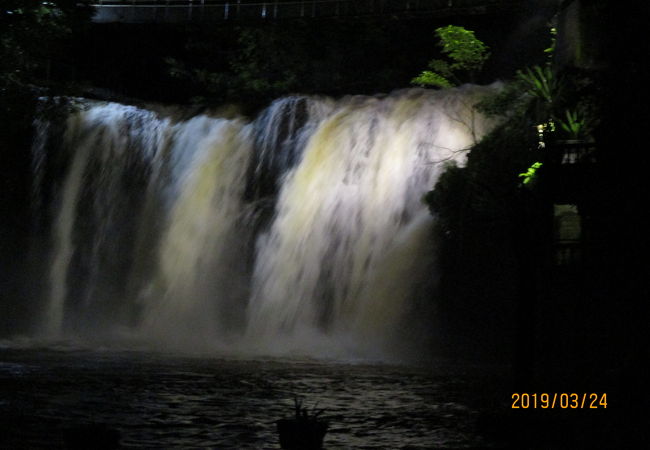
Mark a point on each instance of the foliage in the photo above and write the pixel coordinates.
(429, 78)
(33, 35)
(550, 50)
(465, 54)
(575, 124)
(533, 103)
(530, 174)
(480, 212)
(491, 217)
(34, 32)
(464, 49)
(255, 63)
(548, 97)
(540, 83)
(485, 189)
(266, 62)
(485, 218)
(505, 102)
(568, 100)
(534, 92)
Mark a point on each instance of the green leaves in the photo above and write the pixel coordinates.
(429, 78)
(547, 90)
(33, 33)
(540, 82)
(575, 124)
(551, 48)
(466, 55)
(463, 48)
(529, 175)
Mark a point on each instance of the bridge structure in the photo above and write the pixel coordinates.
(183, 11)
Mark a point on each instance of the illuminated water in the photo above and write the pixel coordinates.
(301, 232)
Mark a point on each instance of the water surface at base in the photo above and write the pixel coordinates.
(163, 401)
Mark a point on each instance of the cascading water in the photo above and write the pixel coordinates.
(302, 231)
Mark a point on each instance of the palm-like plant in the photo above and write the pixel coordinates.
(575, 124)
(541, 83)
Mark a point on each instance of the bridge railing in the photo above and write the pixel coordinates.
(141, 11)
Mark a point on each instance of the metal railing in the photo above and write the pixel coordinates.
(142, 11)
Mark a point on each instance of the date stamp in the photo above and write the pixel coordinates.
(556, 400)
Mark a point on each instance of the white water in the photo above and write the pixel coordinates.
(62, 233)
(302, 231)
(200, 247)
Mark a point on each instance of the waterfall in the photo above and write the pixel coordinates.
(302, 230)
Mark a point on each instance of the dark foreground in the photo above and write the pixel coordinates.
(49, 398)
